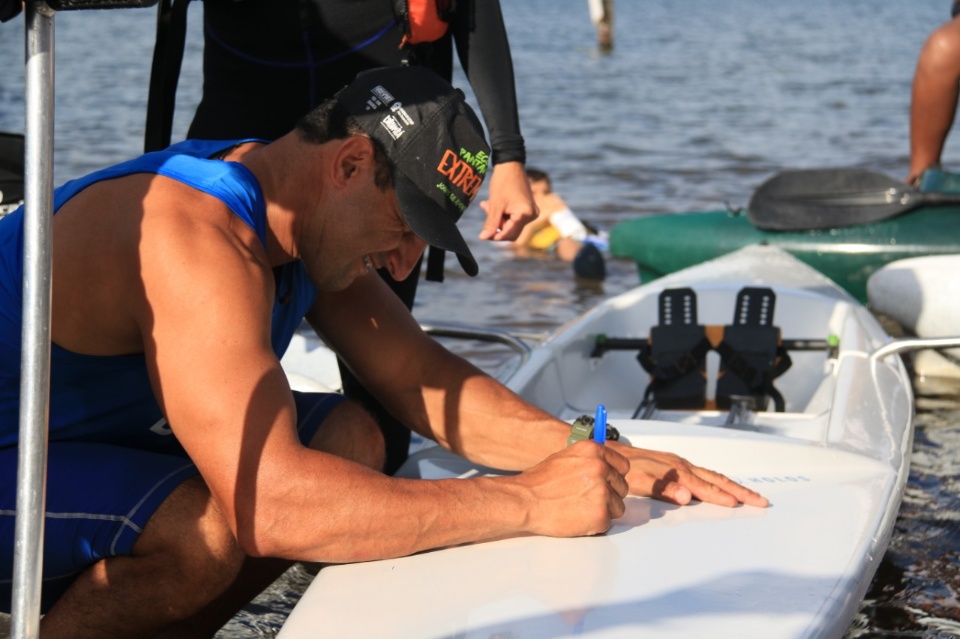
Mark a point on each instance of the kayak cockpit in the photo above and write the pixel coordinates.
(826, 339)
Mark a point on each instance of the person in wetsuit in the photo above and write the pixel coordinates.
(267, 62)
(184, 474)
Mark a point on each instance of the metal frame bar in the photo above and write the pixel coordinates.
(908, 344)
(35, 341)
(514, 341)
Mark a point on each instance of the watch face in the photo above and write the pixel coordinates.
(582, 428)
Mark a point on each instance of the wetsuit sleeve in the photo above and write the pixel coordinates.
(484, 52)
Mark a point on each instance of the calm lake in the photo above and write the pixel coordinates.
(697, 104)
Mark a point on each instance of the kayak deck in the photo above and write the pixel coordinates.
(796, 569)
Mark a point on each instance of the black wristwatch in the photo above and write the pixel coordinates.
(582, 428)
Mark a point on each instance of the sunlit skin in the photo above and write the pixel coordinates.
(510, 205)
(936, 87)
(394, 246)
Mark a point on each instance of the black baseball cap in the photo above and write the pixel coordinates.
(435, 142)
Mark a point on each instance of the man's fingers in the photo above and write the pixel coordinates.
(615, 507)
(674, 479)
(578, 490)
(618, 483)
(618, 462)
(491, 226)
(499, 227)
(721, 487)
(671, 491)
(509, 230)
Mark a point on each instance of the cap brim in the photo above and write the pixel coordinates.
(431, 223)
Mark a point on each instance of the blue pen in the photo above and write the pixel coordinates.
(600, 425)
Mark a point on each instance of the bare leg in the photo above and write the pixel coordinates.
(187, 575)
(350, 432)
(185, 556)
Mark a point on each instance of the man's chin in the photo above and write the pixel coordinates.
(341, 283)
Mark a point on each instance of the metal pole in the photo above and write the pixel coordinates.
(907, 344)
(35, 358)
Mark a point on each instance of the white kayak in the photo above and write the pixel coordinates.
(310, 365)
(922, 294)
(829, 445)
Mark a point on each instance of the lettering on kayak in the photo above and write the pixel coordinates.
(773, 479)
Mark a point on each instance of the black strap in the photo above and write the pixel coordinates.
(11, 167)
(755, 378)
(676, 352)
(668, 366)
(435, 264)
(165, 73)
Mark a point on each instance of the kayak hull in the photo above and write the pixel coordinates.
(922, 294)
(662, 244)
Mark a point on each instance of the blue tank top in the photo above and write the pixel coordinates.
(109, 399)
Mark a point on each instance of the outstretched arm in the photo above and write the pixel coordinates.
(936, 85)
(484, 53)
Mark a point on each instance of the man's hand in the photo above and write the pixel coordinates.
(671, 478)
(577, 491)
(511, 204)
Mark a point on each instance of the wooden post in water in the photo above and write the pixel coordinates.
(601, 14)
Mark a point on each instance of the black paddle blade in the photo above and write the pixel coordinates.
(829, 198)
(11, 167)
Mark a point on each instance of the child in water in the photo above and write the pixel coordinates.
(557, 229)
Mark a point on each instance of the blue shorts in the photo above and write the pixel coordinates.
(100, 496)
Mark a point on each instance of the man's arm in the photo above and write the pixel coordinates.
(205, 318)
(442, 396)
(936, 85)
(484, 51)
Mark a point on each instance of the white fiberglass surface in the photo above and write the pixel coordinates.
(662, 571)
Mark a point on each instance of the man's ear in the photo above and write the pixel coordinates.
(354, 155)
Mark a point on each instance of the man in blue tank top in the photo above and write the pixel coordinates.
(184, 474)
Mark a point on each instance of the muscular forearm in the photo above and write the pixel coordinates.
(344, 512)
(491, 425)
(336, 511)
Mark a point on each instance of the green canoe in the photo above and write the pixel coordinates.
(662, 244)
